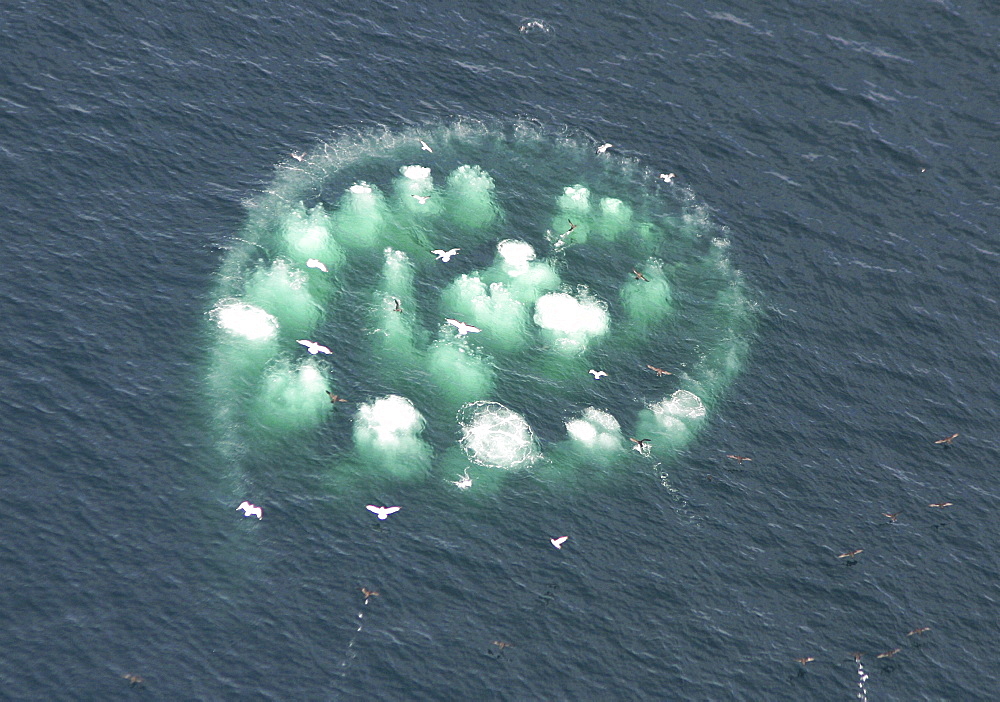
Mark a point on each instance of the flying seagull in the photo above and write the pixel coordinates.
(316, 263)
(667, 177)
(558, 542)
(803, 661)
(851, 554)
(603, 148)
(382, 512)
(250, 510)
(422, 199)
(299, 157)
(597, 374)
(443, 255)
(919, 630)
(424, 147)
(462, 327)
(659, 371)
(368, 594)
(947, 440)
(940, 504)
(313, 347)
(889, 654)
(891, 516)
(502, 644)
(571, 228)
(334, 399)
(738, 459)
(639, 276)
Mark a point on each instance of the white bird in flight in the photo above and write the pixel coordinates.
(313, 347)
(250, 510)
(463, 482)
(316, 263)
(424, 147)
(558, 542)
(298, 157)
(382, 512)
(667, 177)
(443, 255)
(603, 147)
(422, 199)
(597, 374)
(462, 327)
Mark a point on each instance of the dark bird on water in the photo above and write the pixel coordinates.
(639, 276)
(947, 440)
(658, 371)
(738, 459)
(889, 654)
(803, 661)
(940, 504)
(851, 554)
(891, 515)
(133, 679)
(398, 308)
(918, 630)
(335, 398)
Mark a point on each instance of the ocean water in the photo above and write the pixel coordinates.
(838, 162)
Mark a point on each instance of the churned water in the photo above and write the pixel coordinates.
(787, 254)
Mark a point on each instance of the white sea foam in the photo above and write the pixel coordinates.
(389, 420)
(570, 322)
(493, 435)
(246, 321)
(595, 429)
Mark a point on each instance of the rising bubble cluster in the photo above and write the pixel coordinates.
(568, 260)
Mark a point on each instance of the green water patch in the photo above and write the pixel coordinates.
(526, 350)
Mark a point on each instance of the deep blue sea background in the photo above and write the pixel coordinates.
(848, 149)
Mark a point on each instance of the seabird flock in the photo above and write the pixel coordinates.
(851, 557)
(640, 445)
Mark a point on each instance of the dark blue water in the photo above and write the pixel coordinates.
(848, 152)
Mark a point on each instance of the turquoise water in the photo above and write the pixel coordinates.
(845, 153)
(570, 263)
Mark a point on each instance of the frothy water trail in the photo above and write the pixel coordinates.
(349, 654)
(566, 262)
(862, 679)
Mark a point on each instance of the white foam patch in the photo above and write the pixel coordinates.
(361, 189)
(681, 405)
(416, 172)
(516, 255)
(526, 278)
(595, 429)
(495, 436)
(246, 321)
(575, 199)
(389, 420)
(570, 322)
(612, 206)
